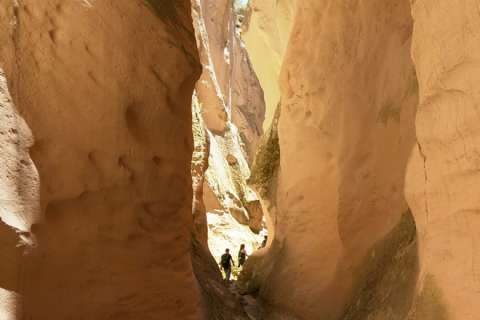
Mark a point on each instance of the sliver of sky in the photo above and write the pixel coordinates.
(241, 3)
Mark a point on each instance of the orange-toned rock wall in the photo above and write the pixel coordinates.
(443, 177)
(346, 130)
(105, 88)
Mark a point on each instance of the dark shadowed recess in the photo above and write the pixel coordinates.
(388, 276)
(165, 9)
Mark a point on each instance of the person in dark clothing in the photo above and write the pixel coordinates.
(226, 263)
(242, 255)
(264, 242)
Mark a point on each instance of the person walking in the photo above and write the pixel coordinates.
(242, 255)
(264, 242)
(226, 263)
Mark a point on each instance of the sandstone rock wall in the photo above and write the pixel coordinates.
(443, 174)
(228, 112)
(105, 87)
(266, 34)
(95, 150)
(346, 130)
(232, 111)
(18, 202)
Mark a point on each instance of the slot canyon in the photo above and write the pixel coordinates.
(141, 138)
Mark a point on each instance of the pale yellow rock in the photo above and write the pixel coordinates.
(266, 38)
(9, 305)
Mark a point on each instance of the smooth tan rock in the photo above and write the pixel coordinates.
(210, 198)
(255, 215)
(240, 215)
(345, 132)
(105, 87)
(443, 180)
(248, 104)
(99, 224)
(267, 31)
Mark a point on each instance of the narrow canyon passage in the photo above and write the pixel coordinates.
(141, 138)
(228, 111)
(341, 231)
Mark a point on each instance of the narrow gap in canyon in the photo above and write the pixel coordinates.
(139, 139)
(228, 113)
(368, 240)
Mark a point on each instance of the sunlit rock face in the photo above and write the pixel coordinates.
(105, 88)
(266, 31)
(443, 177)
(18, 201)
(345, 133)
(228, 89)
(231, 109)
(201, 153)
(219, 302)
(226, 232)
(228, 111)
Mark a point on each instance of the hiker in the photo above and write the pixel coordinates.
(242, 255)
(264, 242)
(226, 263)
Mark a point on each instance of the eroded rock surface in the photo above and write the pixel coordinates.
(18, 201)
(345, 132)
(105, 87)
(95, 149)
(228, 112)
(232, 109)
(443, 174)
